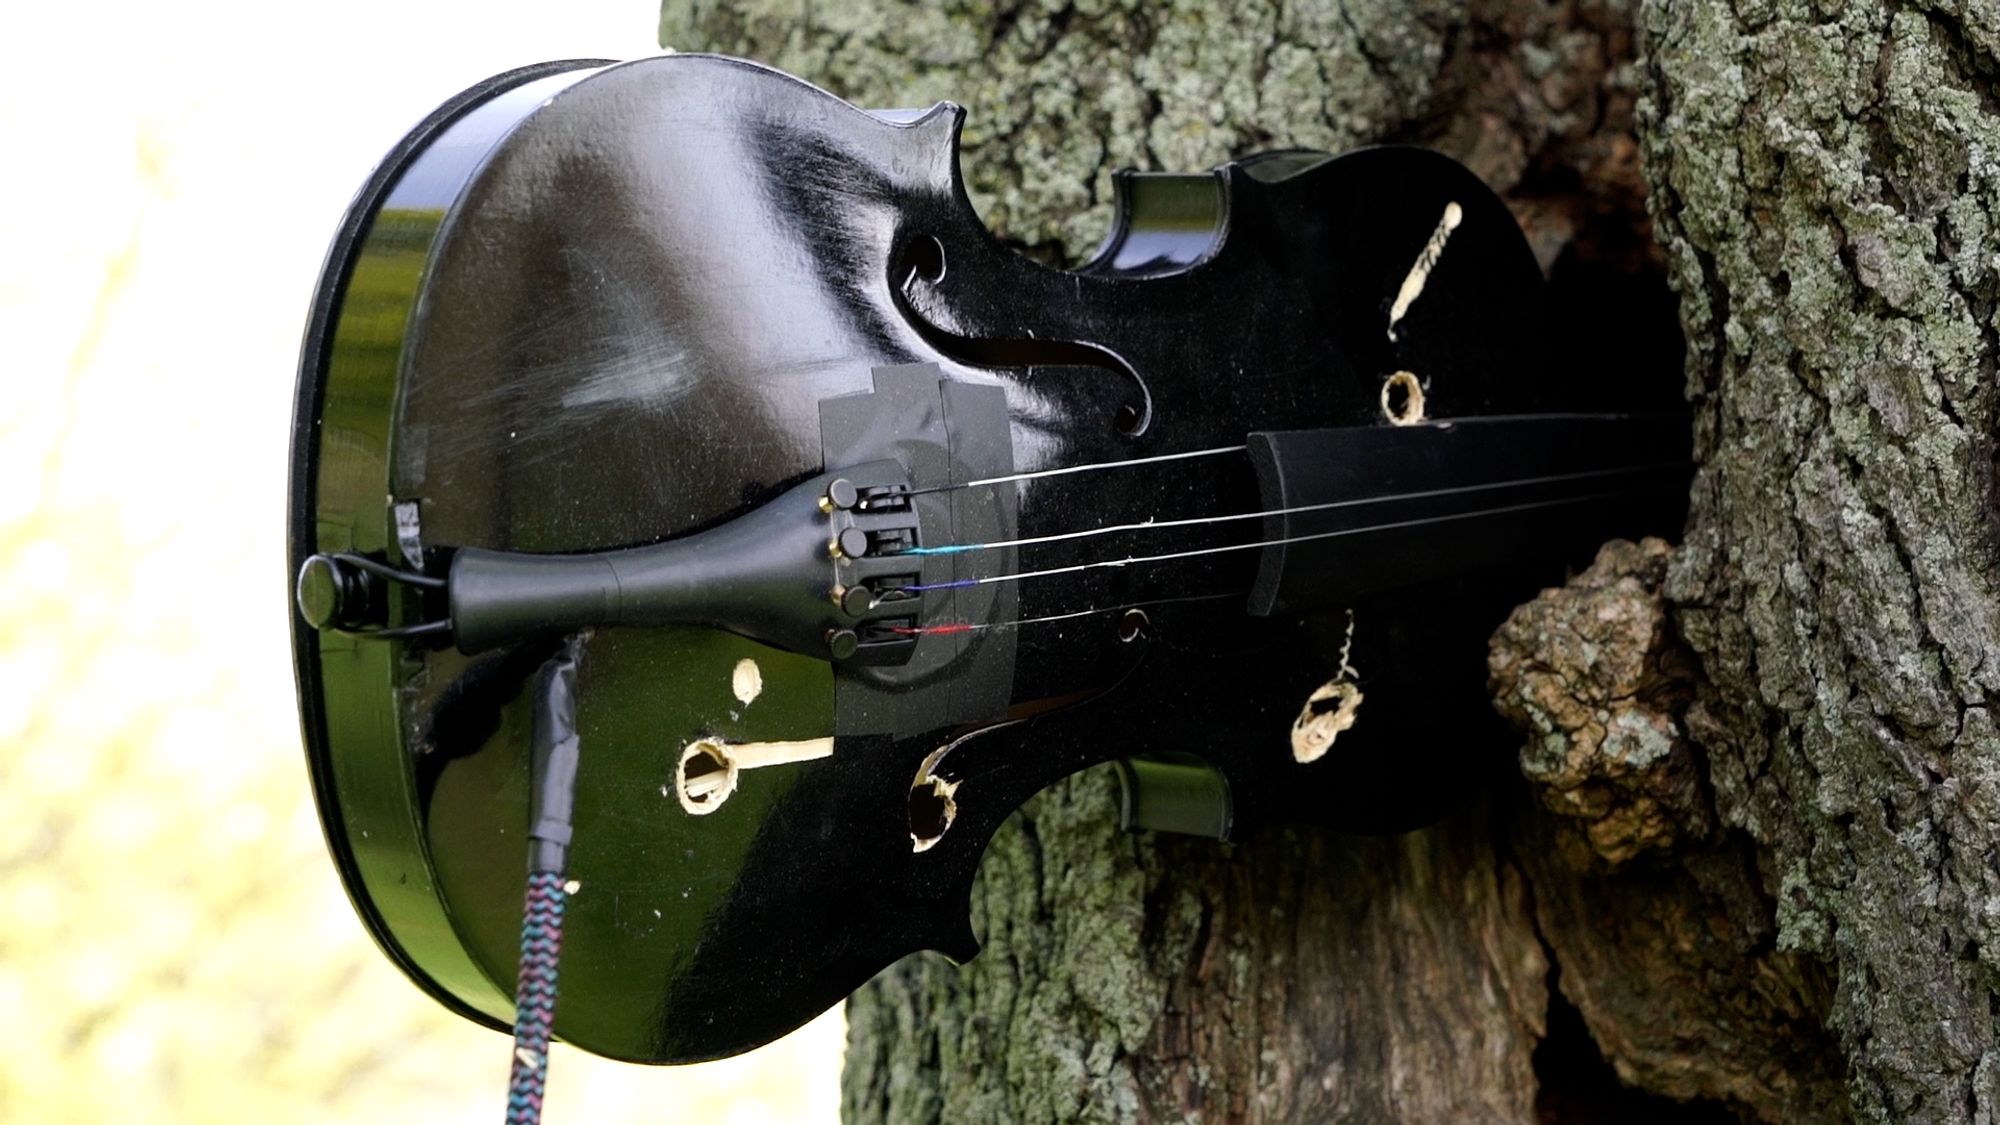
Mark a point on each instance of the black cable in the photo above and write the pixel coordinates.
(394, 574)
(403, 632)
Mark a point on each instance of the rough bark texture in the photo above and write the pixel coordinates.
(1827, 179)
(1136, 979)
(1749, 874)
(1654, 914)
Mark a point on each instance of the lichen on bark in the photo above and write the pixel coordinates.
(1129, 978)
(1062, 94)
(1826, 180)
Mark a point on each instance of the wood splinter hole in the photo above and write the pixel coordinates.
(1327, 712)
(932, 809)
(705, 777)
(709, 768)
(1402, 399)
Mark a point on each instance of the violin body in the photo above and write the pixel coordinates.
(596, 308)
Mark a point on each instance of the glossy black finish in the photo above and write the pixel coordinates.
(643, 303)
(1368, 510)
(342, 415)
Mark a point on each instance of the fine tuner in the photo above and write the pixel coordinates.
(690, 494)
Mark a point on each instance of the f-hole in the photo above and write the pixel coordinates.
(919, 263)
(922, 260)
(1132, 626)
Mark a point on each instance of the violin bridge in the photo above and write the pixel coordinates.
(947, 433)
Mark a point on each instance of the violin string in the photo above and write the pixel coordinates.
(1137, 560)
(1040, 473)
(1196, 521)
(968, 627)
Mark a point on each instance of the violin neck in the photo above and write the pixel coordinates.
(1361, 510)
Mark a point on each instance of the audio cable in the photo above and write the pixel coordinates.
(551, 812)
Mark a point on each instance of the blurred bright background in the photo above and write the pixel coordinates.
(175, 945)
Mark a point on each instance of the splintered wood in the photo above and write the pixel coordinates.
(708, 769)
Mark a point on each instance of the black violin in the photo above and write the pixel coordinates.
(851, 528)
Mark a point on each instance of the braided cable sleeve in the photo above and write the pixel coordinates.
(535, 995)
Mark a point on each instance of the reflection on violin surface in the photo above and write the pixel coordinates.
(862, 528)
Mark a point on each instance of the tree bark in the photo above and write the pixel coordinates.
(1827, 188)
(1747, 874)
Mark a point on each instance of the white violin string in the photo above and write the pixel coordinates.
(1138, 560)
(1196, 521)
(1040, 473)
(1105, 609)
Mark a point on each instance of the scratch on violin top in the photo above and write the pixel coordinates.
(632, 376)
(1420, 271)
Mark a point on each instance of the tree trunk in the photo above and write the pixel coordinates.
(1748, 873)
(1827, 191)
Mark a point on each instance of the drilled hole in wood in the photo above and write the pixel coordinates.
(705, 776)
(1402, 399)
(933, 807)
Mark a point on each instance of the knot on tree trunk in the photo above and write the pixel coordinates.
(1593, 673)
(1669, 960)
